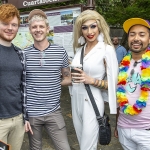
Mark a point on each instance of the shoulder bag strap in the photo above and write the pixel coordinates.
(87, 87)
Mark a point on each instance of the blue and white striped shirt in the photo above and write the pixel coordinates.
(43, 79)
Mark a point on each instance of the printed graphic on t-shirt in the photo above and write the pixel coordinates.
(132, 82)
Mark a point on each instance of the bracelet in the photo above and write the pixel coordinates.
(93, 82)
(102, 85)
(105, 84)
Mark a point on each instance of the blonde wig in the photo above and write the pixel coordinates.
(90, 15)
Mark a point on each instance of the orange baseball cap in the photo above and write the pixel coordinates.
(135, 21)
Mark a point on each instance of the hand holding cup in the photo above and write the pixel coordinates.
(76, 73)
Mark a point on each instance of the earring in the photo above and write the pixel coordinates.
(100, 37)
(81, 40)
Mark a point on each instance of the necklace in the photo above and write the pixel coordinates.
(135, 109)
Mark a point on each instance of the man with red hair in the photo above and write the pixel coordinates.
(11, 76)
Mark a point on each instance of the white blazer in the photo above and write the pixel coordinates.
(93, 65)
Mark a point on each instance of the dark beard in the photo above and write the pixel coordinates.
(140, 50)
(115, 43)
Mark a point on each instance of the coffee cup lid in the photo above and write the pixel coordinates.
(76, 65)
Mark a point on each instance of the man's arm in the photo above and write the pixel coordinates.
(28, 127)
(66, 76)
(116, 131)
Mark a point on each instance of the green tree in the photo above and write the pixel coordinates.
(117, 11)
(125, 9)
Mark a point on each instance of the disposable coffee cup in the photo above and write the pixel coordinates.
(75, 66)
(75, 71)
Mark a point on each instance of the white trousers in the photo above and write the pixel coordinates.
(84, 119)
(134, 139)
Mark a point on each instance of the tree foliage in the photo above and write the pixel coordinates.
(117, 11)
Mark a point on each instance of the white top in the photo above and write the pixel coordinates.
(93, 65)
(133, 91)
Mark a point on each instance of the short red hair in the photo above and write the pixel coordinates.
(8, 12)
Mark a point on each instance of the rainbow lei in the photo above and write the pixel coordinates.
(125, 107)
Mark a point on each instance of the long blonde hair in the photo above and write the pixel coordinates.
(90, 15)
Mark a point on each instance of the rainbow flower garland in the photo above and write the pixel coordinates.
(125, 107)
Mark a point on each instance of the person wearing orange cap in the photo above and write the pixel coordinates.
(45, 62)
(133, 92)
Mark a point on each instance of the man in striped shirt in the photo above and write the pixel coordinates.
(45, 63)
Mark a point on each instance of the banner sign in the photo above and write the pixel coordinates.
(61, 23)
(31, 3)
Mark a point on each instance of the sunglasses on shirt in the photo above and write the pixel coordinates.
(134, 65)
(42, 61)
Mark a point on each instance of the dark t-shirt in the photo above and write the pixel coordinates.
(10, 82)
